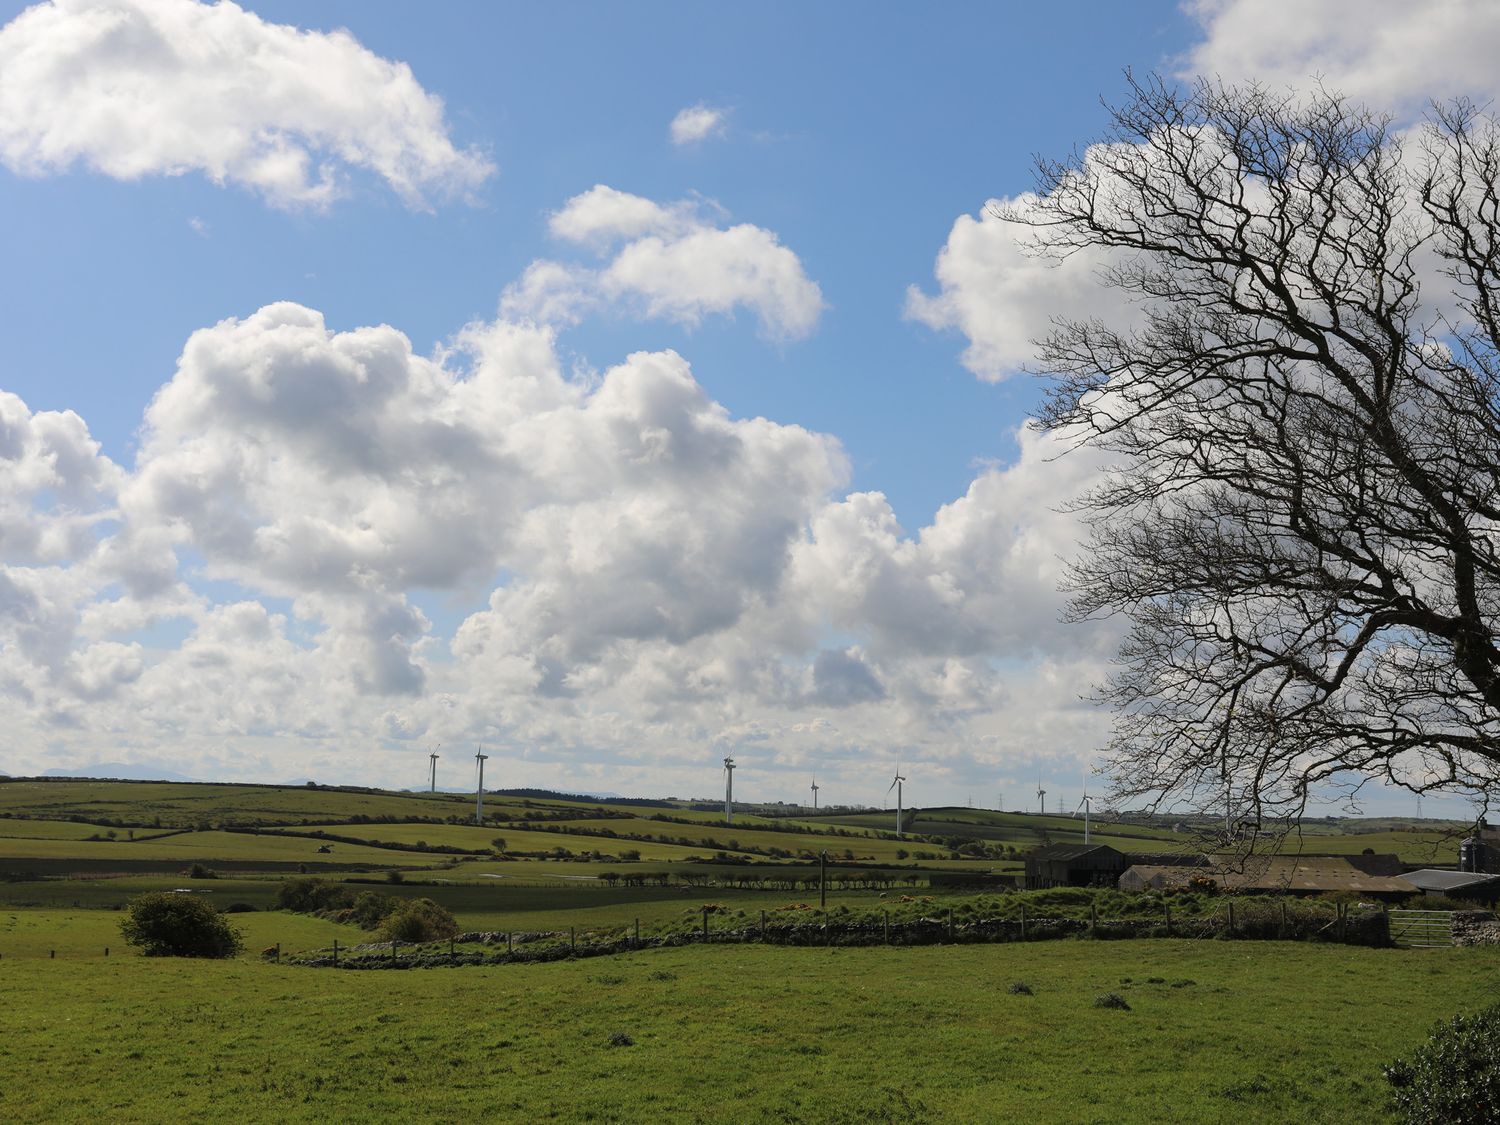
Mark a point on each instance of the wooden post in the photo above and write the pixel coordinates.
(394, 943)
(278, 952)
(452, 956)
(1283, 919)
(705, 923)
(823, 881)
(573, 939)
(106, 951)
(1093, 920)
(52, 955)
(509, 948)
(762, 925)
(335, 953)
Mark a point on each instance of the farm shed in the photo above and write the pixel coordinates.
(1374, 876)
(1073, 865)
(1464, 885)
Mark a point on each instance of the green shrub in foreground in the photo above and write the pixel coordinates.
(1455, 1076)
(165, 924)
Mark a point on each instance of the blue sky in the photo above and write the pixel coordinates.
(793, 521)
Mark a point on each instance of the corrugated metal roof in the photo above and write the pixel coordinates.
(1442, 879)
(1068, 851)
(1273, 873)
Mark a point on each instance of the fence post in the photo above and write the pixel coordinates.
(52, 955)
(452, 957)
(1343, 916)
(335, 953)
(573, 940)
(762, 925)
(823, 881)
(1283, 920)
(705, 923)
(106, 951)
(394, 943)
(278, 953)
(1093, 920)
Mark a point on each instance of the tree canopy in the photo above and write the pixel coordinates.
(1300, 524)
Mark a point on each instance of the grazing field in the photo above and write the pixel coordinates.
(1264, 1032)
(192, 847)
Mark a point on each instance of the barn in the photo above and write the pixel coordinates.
(1073, 865)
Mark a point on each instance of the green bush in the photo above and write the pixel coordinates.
(418, 919)
(165, 924)
(1455, 1076)
(371, 908)
(308, 896)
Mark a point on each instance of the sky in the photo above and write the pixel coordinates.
(614, 387)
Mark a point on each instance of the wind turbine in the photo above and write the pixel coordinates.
(728, 790)
(434, 757)
(896, 785)
(480, 758)
(815, 794)
(1041, 798)
(1085, 805)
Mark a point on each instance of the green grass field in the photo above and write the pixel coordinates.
(1267, 1032)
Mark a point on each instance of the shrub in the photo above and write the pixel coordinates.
(1111, 1000)
(307, 896)
(620, 1039)
(199, 871)
(1455, 1076)
(372, 908)
(164, 924)
(394, 876)
(418, 919)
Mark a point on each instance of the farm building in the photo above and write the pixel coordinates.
(1073, 865)
(1377, 876)
(1464, 885)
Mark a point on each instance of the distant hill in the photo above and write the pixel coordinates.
(122, 771)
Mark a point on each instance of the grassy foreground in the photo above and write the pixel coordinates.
(1266, 1032)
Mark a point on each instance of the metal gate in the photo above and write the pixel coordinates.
(1422, 929)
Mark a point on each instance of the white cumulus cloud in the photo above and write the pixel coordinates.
(697, 123)
(667, 261)
(133, 88)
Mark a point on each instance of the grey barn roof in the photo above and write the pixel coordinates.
(1441, 879)
(1068, 851)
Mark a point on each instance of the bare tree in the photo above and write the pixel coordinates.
(1301, 520)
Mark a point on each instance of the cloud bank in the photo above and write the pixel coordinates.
(332, 551)
(697, 123)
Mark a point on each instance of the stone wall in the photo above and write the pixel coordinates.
(1476, 927)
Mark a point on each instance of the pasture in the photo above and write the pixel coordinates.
(1264, 1032)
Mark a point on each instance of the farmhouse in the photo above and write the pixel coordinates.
(1073, 865)
(1377, 876)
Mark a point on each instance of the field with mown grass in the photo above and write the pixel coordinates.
(1215, 1032)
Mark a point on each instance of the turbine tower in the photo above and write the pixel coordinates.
(815, 794)
(434, 757)
(1085, 805)
(896, 785)
(480, 758)
(728, 790)
(1041, 798)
